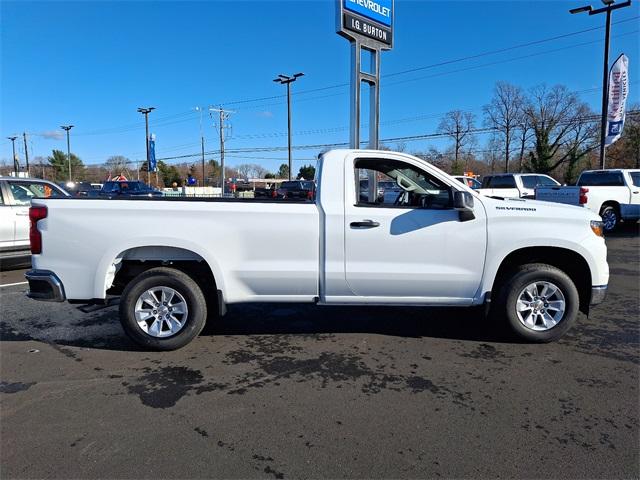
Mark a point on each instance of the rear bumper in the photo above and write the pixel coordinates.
(45, 285)
(598, 294)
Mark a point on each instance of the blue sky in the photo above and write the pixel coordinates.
(92, 64)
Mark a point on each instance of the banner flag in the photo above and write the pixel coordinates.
(153, 167)
(618, 92)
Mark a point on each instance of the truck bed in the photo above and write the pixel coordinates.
(266, 248)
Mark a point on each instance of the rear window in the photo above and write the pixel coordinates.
(290, 185)
(502, 181)
(601, 179)
(635, 178)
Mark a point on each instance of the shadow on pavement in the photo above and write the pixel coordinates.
(297, 319)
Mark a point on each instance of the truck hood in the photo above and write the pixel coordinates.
(518, 207)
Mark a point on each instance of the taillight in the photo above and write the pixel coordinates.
(583, 195)
(36, 213)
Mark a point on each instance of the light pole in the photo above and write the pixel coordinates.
(145, 112)
(67, 128)
(288, 80)
(199, 109)
(609, 6)
(16, 167)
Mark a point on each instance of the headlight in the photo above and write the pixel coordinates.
(598, 227)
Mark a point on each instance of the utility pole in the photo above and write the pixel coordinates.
(26, 153)
(609, 6)
(145, 112)
(16, 166)
(223, 115)
(199, 109)
(67, 128)
(288, 80)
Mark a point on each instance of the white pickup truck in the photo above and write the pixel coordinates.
(514, 185)
(176, 261)
(613, 194)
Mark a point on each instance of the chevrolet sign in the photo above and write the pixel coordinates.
(376, 10)
(367, 20)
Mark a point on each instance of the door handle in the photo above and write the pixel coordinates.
(364, 224)
(22, 214)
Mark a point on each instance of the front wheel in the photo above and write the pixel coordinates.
(163, 309)
(539, 302)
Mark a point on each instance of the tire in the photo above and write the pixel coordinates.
(539, 321)
(187, 305)
(610, 217)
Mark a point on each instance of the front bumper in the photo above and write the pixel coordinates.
(598, 294)
(45, 285)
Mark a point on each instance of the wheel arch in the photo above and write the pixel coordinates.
(132, 261)
(567, 260)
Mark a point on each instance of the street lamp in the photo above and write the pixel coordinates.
(609, 6)
(288, 80)
(145, 112)
(16, 167)
(67, 128)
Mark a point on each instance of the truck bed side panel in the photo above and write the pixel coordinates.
(257, 251)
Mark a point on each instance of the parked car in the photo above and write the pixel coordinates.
(15, 199)
(441, 244)
(264, 192)
(514, 185)
(296, 189)
(82, 189)
(470, 182)
(134, 188)
(613, 194)
(364, 190)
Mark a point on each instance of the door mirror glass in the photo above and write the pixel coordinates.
(462, 201)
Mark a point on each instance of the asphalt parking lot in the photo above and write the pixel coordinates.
(299, 391)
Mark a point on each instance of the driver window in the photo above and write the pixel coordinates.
(399, 185)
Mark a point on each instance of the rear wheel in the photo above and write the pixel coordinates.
(162, 309)
(539, 302)
(610, 217)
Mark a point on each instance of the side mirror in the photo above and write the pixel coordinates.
(463, 202)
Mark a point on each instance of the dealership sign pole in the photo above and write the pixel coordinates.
(617, 98)
(368, 24)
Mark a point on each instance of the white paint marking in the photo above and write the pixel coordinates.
(13, 284)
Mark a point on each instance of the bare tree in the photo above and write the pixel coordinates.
(504, 113)
(258, 171)
(582, 138)
(434, 157)
(493, 152)
(117, 165)
(244, 169)
(553, 114)
(458, 125)
(524, 136)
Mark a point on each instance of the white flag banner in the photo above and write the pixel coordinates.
(618, 92)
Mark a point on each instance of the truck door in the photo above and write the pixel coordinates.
(634, 184)
(7, 222)
(411, 244)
